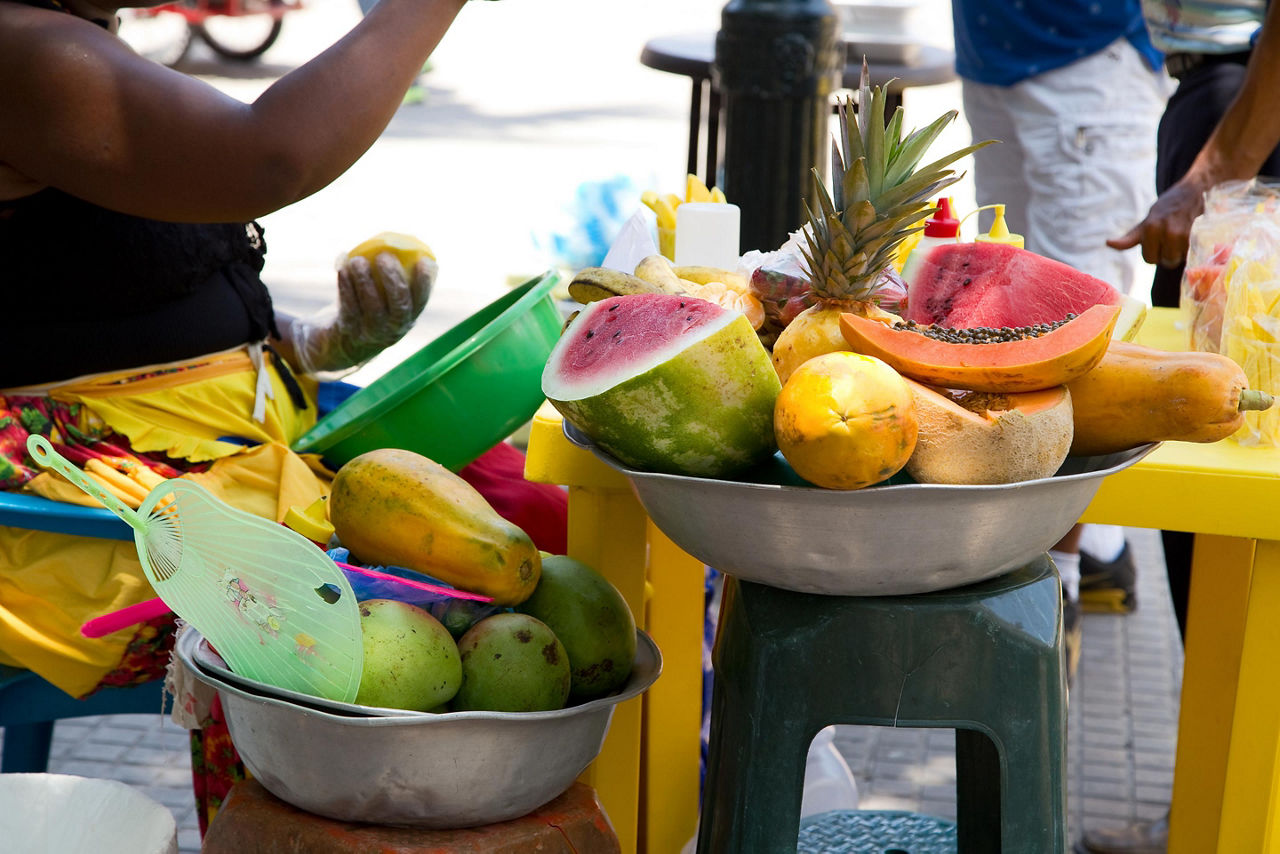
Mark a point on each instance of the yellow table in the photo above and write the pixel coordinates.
(1226, 785)
(647, 774)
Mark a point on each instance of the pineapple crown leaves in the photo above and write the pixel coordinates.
(880, 195)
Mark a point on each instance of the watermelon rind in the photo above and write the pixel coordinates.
(1132, 312)
(698, 405)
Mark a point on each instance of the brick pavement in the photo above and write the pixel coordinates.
(1121, 739)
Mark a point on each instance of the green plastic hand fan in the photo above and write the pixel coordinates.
(272, 604)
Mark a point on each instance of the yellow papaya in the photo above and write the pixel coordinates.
(394, 507)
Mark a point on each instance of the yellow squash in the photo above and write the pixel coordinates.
(1139, 394)
(396, 508)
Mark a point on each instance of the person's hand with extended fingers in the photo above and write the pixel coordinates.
(377, 304)
(1164, 233)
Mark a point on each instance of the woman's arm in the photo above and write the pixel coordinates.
(1237, 148)
(80, 111)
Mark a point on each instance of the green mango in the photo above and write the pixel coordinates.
(511, 663)
(410, 660)
(591, 619)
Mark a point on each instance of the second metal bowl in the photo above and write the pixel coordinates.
(454, 770)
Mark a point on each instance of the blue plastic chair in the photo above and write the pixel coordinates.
(29, 705)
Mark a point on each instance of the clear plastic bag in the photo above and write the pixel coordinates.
(1231, 291)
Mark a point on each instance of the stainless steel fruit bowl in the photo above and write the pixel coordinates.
(897, 538)
(460, 769)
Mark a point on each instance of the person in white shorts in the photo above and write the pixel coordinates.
(1074, 90)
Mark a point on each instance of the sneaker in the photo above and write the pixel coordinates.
(1108, 587)
(1150, 837)
(1072, 636)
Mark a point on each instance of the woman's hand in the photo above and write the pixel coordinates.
(377, 305)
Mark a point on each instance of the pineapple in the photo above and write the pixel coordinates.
(880, 200)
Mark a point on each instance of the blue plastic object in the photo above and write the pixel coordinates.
(876, 832)
(35, 513)
(29, 705)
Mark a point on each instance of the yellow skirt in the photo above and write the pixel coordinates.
(199, 411)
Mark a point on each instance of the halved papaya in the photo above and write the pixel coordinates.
(1050, 359)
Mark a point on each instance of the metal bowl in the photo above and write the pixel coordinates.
(894, 539)
(460, 769)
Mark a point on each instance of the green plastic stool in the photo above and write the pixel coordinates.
(986, 660)
(876, 832)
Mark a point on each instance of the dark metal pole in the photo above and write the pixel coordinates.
(776, 64)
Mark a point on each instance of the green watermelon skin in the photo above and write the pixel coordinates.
(706, 411)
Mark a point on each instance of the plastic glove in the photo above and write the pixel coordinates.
(376, 307)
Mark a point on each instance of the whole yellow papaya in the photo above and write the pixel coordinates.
(393, 507)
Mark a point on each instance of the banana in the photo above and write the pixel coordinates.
(657, 270)
(664, 207)
(695, 190)
(717, 195)
(707, 275)
(597, 283)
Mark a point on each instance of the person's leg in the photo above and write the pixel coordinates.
(997, 169)
(1001, 177)
(1089, 130)
(1088, 134)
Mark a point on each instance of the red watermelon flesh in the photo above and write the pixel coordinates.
(666, 383)
(632, 330)
(964, 285)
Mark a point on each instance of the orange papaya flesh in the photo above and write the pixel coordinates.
(1027, 364)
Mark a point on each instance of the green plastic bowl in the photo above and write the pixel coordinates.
(459, 395)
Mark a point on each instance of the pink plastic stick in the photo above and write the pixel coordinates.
(125, 617)
(420, 585)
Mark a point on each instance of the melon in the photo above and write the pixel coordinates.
(968, 437)
(1030, 362)
(966, 285)
(666, 383)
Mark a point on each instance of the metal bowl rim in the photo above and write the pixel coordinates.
(647, 669)
(1126, 459)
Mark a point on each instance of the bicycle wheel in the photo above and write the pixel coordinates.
(159, 35)
(246, 36)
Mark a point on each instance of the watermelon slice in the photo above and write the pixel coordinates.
(964, 285)
(666, 383)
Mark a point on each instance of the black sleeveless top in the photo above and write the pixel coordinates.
(88, 289)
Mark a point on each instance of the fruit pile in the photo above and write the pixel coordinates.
(557, 631)
(1000, 364)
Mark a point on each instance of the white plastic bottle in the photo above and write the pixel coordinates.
(941, 228)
